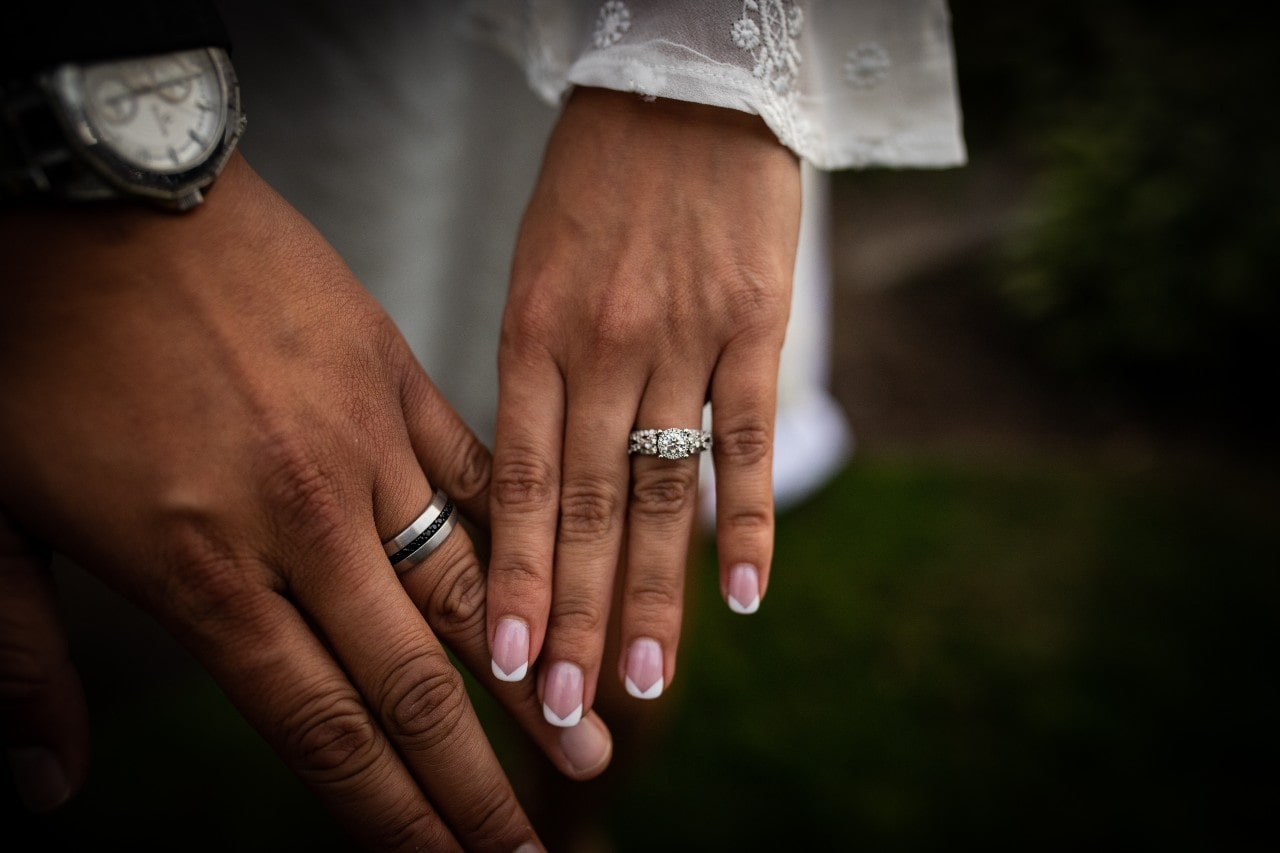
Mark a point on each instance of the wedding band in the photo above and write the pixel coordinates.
(424, 535)
(669, 443)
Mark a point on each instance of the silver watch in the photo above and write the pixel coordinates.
(158, 128)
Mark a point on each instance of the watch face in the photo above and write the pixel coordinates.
(162, 114)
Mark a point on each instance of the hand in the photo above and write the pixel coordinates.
(652, 274)
(210, 413)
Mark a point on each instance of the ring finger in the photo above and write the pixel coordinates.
(660, 517)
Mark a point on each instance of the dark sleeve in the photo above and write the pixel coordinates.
(39, 33)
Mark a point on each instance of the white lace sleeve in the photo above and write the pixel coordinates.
(843, 83)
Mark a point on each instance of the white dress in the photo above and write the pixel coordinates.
(411, 135)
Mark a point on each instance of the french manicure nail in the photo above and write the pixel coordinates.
(562, 696)
(744, 588)
(38, 775)
(586, 745)
(644, 669)
(510, 650)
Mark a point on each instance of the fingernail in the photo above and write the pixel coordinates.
(38, 775)
(644, 669)
(562, 698)
(528, 847)
(510, 650)
(586, 745)
(744, 588)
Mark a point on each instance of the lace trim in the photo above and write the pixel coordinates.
(769, 30)
(768, 81)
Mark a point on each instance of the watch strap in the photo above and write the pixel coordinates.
(38, 34)
(35, 159)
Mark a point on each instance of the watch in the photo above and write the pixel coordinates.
(158, 128)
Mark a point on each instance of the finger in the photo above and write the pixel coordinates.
(42, 706)
(660, 520)
(415, 694)
(450, 592)
(743, 401)
(448, 451)
(524, 497)
(285, 682)
(593, 498)
(449, 588)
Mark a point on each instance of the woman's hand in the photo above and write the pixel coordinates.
(207, 411)
(652, 274)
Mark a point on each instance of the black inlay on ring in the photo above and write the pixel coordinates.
(407, 550)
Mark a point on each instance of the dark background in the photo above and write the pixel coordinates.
(1036, 611)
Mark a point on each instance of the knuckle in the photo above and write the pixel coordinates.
(300, 486)
(211, 584)
(333, 739)
(474, 469)
(616, 324)
(745, 444)
(523, 482)
(540, 325)
(577, 615)
(760, 300)
(519, 576)
(457, 601)
(664, 496)
(528, 325)
(517, 352)
(589, 508)
(425, 700)
(532, 306)
(748, 520)
(655, 594)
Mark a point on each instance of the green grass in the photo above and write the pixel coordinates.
(948, 656)
(1020, 659)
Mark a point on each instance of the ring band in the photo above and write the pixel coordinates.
(424, 535)
(669, 443)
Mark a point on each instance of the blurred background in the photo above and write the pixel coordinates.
(1036, 610)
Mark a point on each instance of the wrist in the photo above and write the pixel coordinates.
(630, 113)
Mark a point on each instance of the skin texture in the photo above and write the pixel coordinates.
(208, 412)
(652, 274)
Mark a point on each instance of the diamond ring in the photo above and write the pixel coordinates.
(669, 443)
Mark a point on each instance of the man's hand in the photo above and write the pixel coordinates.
(210, 413)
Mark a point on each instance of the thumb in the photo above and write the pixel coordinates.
(44, 725)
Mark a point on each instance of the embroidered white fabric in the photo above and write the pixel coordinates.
(843, 84)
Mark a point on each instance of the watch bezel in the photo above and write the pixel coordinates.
(181, 189)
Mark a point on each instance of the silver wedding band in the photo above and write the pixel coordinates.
(674, 443)
(412, 545)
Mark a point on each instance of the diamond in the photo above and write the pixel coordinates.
(674, 444)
